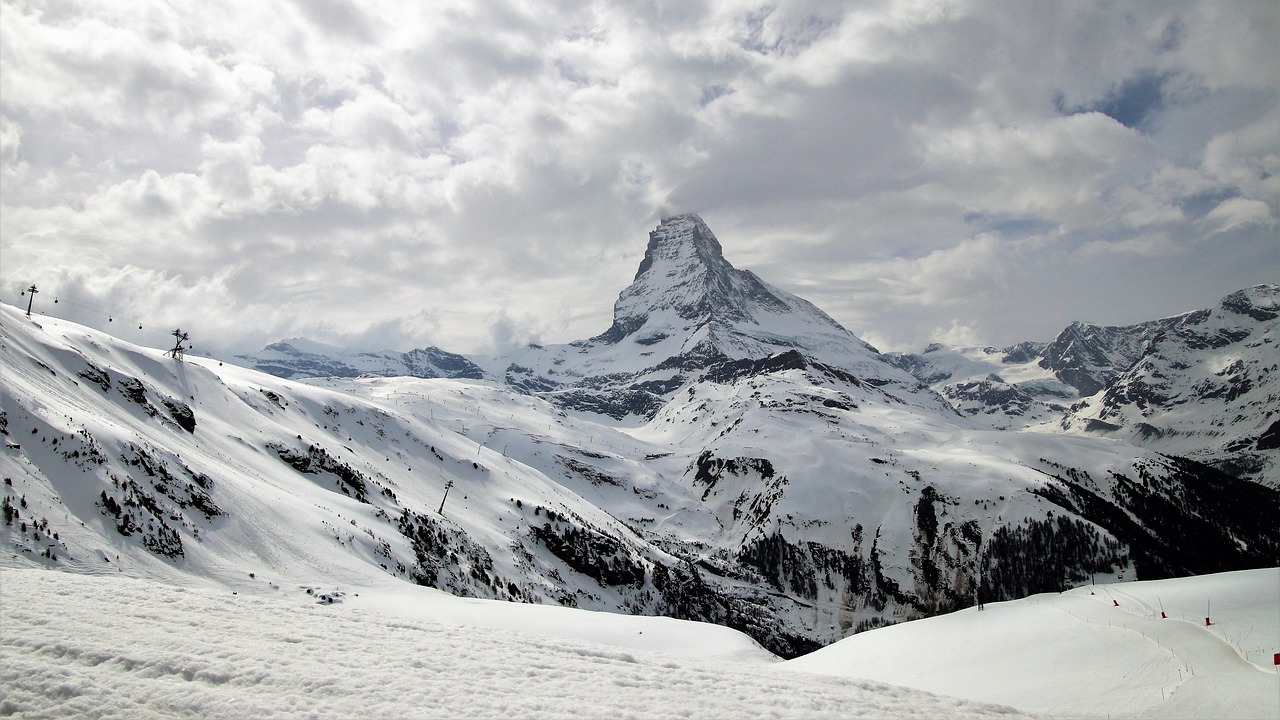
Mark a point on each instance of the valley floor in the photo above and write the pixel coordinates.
(112, 646)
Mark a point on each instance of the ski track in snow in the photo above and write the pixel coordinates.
(85, 646)
(1099, 651)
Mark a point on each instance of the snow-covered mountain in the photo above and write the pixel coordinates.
(301, 358)
(1203, 384)
(688, 314)
(687, 462)
(1005, 388)
(1206, 386)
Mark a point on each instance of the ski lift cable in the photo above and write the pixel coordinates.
(102, 311)
(71, 300)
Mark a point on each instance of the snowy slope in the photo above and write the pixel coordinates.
(321, 486)
(1096, 651)
(109, 646)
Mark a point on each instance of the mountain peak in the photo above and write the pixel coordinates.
(683, 239)
(687, 299)
(1260, 302)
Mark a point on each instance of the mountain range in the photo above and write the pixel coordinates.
(725, 452)
(1202, 385)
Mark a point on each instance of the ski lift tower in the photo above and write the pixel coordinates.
(31, 295)
(180, 337)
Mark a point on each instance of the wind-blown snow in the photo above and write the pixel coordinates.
(103, 646)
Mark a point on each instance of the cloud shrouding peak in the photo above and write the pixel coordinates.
(471, 175)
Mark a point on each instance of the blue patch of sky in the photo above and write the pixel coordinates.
(569, 73)
(1007, 225)
(1200, 204)
(1130, 103)
(710, 94)
(793, 40)
(753, 39)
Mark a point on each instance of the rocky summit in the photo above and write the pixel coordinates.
(725, 452)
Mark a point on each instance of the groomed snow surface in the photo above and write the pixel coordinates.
(101, 646)
(1095, 651)
(111, 646)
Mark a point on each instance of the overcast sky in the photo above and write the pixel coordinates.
(473, 174)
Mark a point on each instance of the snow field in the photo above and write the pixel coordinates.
(1079, 654)
(106, 646)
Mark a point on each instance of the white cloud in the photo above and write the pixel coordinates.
(956, 334)
(1235, 212)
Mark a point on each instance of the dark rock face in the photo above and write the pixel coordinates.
(1270, 438)
(316, 460)
(1259, 302)
(1088, 357)
(181, 414)
(1023, 352)
(1207, 384)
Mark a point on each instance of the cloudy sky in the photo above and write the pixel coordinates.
(473, 174)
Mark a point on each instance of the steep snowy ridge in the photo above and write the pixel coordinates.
(688, 314)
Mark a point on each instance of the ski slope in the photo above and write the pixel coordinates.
(112, 646)
(1099, 651)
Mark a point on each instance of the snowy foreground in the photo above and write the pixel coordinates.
(1099, 651)
(104, 646)
(98, 646)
